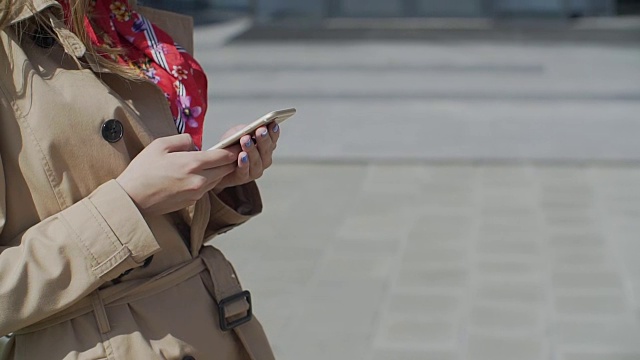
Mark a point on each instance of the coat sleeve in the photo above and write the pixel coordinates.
(68, 255)
(233, 207)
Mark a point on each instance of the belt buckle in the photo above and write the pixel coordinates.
(226, 326)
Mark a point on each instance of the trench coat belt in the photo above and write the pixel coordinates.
(217, 275)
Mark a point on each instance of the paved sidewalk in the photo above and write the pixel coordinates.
(445, 262)
(369, 250)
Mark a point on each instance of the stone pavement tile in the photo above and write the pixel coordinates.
(579, 188)
(347, 269)
(494, 347)
(499, 171)
(501, 267)
(497, 318)
(296, 272)
(552, 212)
(518, 186)
(490, 180)
(509, 247)
(590, 305)
(277, 252)
(625, 226)
(416, 355)
(495, 199)
(623, 193)
(500, 208)
(309, 343)
(447, 227)
(577, 241)
(507, 193)
(510, 228)
(433, 276)
(441, 180)
(435, 254)
(440, 305)
(617, 175)
(434, 241)
(301, 173)
(529, 229)
(341, 307)
(617, 193)
(337, 318)
(383, 203)
(444, 196)
(391, 224)
(610, 355)
(594, 335)
(568, 195)
(564, 203)
(367, 248)
(277, 312)
(411, 332)
(568, 219)
(625, 212)
(587, 280)
(513, 292)
(561, 174)
(454, 174)
(509, 222)
(507, 188)
(395, 179)
(587, 258)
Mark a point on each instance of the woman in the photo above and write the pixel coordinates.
(105, 202)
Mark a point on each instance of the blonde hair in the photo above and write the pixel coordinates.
(77, 26)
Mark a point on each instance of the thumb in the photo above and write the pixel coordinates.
(177, 143)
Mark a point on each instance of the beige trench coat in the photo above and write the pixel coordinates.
(83, 275)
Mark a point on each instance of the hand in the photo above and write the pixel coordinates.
(168, 175)
(255, 157)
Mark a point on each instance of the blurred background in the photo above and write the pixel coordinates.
(462, 180)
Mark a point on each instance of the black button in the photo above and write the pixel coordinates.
(112, 130)
(43, 38)
(188, 357)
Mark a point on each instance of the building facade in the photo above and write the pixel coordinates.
(432, 8)
(273, 10)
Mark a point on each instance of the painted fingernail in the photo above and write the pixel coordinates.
(248, 143)
(245, 158)
(265, 133)
(276, 128)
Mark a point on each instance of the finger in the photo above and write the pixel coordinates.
(250, 147)
(255, 163)
(263, 139)
(242, 172)
(216, 174)
(213, 158)
(265, 146)
(176, 143)
(274, 132)
(247, 143)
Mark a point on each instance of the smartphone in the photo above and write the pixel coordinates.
(277, 116)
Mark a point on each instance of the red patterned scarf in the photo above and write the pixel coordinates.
(158, 58)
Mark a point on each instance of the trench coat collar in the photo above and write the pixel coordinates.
(23, 11)
(69, 41)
